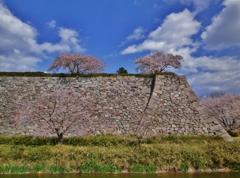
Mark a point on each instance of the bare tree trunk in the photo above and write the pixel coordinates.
(60, 138)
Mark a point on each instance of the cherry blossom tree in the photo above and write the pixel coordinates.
(216, 94)
(157, 62)
(77, 63)
(56, 112)
(226, 108)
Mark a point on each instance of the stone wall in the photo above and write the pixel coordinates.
(126, 105)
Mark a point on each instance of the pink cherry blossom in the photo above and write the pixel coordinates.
(157, 62)
(77, 63)
(55, 112)
(225, 108)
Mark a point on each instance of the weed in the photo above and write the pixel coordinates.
(237, 167)
(57, 169)
(141, 168)
(184, 167)
(39, 167)
(13, 169)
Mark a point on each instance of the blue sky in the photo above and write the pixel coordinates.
(205, 32)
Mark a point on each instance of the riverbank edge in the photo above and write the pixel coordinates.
(126, 171)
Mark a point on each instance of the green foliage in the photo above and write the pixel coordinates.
(14, 169)
(93, 167)
(27, 140)
(109, 153)
(143, 169)
(105, 140)
(39, 168)
(57, 169)
(99, 140)
(184, 167)
(190, 139)
(121, 70)
(237, 167)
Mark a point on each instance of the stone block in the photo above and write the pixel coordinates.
(121, 101)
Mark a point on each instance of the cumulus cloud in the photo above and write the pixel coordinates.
(174, 33)
(19, 49)
(69, 41)
(206, 73)
(215, 74)
(18, 62)
(136, 35)
(224, 30)
(70, 37)
(52, 24)
(198, 5)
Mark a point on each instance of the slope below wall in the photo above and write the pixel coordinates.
(125, 105)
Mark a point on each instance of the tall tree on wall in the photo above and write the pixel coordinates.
(225, 108)
(157, 62)
(77, 63)
(121, 70)
(56, 112)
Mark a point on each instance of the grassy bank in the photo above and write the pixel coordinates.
(117, 154)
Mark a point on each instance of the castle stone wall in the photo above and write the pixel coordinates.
(165, 104)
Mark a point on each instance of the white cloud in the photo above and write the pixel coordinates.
(69, 41)
(136, 35)
(205, 74)
(224, 30)
(52, 24)
(19, 49)
(174, 33)
(18, 62)
(70, 37)
(13, 31)
(215, 74)
(198, 5)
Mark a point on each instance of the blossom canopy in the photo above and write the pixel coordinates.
(157, 62)
(225, 108)
(77, 63)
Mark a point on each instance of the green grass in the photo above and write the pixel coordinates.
(184, 167)
(98, 168)
(57, 169)
(106, 140)
(14, 169)
(237, 167)
(117, 153)
(39, 168)
(143, 169)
